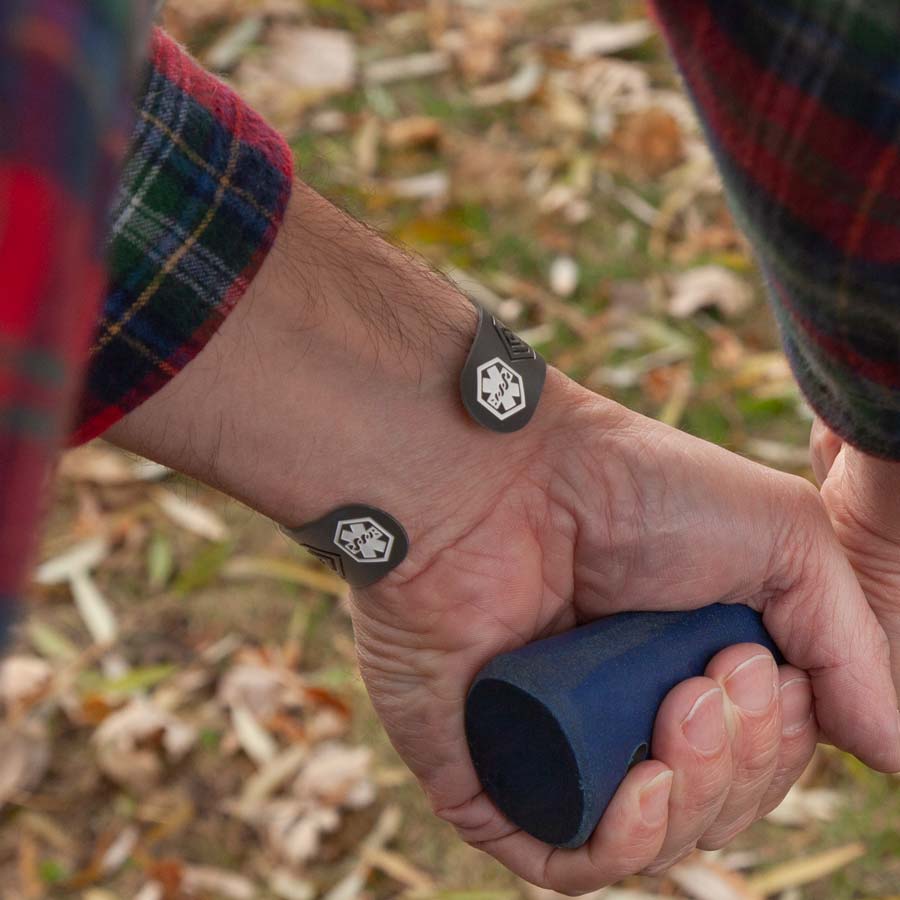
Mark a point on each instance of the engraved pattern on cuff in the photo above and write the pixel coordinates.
(359, 543)
(502, 379)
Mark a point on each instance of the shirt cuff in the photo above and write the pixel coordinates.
(201, 199)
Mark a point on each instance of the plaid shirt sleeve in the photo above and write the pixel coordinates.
(801, 102)
(202, 196)
(67, 73)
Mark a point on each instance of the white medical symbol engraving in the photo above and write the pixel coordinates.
(500, 389)
(364, 540)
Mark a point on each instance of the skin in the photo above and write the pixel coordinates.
(861, 493)
(336, 380)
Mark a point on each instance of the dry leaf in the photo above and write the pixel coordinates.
(287, 886)
(81, 557)
(191, 516)
(294, 830)
(253, 687)
(429, 186)
(133, 743)
(702, 879)
(523, 85)
(24, 757)
(94, 610)
(100, 464)
(413, 131)
(284, 570)
(317, 59)
(709, 286)
(23, 681)
(119, 851)
(255, 741)
(218, 882)
(564, 276)
(802, 807)
(337, 775)
(797, 872)
(649, 143)
(404, 68)
(272, 776)
(606, 38)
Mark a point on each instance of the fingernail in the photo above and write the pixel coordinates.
(751, 685)
(654, 798)
(796, 705)
(704, 725)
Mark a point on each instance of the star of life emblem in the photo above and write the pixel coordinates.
(500, 389)
(364, 540)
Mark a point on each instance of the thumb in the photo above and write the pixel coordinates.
(824, 625)
(824, 446)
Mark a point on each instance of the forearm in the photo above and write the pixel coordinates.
(334, 380)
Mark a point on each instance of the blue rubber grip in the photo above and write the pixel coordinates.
(554, 727)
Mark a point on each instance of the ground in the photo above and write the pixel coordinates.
(182, 712)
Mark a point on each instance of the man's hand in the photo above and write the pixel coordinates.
(862, 495)
(597, 511)
(336, 381)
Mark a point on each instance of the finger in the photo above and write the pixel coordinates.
(824, 446)
(627, 839)
(819, 616)
(691, 738)
(799, 733)
(749, 677)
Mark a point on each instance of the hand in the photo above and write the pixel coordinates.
(335, 381)
(596, 511)
(862, 495)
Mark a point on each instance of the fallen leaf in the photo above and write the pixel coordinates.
(523, 85)
(803, 806)
(708, 286)
(702, 879)
(318, 59)
(405, 68)
(24, 757)
(413, 131)
(220, 883)
(94, 609)
(287, 886)
(191, 516)
(428, 186)
(337, 775)
(564, 276)
(230, 46)
(134, 743)
(23, 681)
(99, 464)
(798, 872)
(255, 741)
(649, 143)
(606, 38)
(251, 686)
(81, 557)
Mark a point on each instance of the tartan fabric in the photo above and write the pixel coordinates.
(200, 202)
(66, 72)
(801, 102)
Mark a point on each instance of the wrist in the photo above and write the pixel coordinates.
(336, 380)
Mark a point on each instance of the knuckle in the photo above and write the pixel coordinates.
(658, 866)
(720, 836)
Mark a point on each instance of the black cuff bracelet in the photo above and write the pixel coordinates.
(359, 543)
(501, 384)
(503, 377)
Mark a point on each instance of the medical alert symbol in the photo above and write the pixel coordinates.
(364, 540)
(500, 389)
